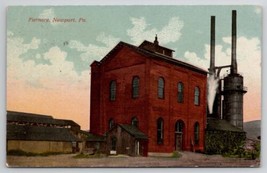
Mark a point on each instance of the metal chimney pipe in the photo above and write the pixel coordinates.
(233, 63)
(212, 45)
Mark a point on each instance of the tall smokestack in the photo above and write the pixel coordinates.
(212, 45)
(233, 63)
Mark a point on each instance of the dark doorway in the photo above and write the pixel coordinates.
(178, 141)
(179, 133)
(113, 145)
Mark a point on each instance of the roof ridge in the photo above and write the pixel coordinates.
(154, 55)
(165, 57)
(153, 44)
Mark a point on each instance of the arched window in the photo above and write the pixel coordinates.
(196, 133)
(135, 122)
(112, 90)
(111, 123)
(135, 87)
(197, 94)
(161, 88)
(179, 126)
(180, 95)
(160, 129)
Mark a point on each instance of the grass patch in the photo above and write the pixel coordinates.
(176, 154)
(30, 154)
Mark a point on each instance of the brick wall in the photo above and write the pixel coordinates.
(121, 66)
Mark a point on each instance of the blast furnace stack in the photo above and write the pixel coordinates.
(234, 89)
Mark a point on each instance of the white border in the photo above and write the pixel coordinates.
(5, 3)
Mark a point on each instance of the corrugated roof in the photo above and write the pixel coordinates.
(37, 133)
(27, 117)
(217, 124)
(155, 56)
(37, 118)
(134, 131)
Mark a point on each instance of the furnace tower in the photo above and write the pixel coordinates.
(234, 89)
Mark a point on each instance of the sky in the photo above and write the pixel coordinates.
(48, 63)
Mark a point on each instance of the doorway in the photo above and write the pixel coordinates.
(137, 148)
(113, 145)
(179, 135)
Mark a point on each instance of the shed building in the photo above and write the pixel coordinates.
(36, 133)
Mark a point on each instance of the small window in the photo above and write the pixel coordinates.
(112, 92)
(134, 122)
(197, 94)
(160, 129)
(196, 133)
(135, 87)
(161, 88)
(111, 123)
(180, 95)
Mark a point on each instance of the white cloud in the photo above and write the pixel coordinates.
(138, 33)
(258, 10)
(169, 33)
(193, 58)
(58, 73)
(55, 55)
(248, 57)
(89, 52)
(108, 40)
(38, 56)
(249, 65)
(94, 52)
(221, 57)
(49, 14)
(17, 47)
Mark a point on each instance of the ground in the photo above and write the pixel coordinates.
(187, 159)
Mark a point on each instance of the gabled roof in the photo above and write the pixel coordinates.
(134, 131)
(153, 55)
(223, 125)
(37, 118)
(37, 133)
(22, 116)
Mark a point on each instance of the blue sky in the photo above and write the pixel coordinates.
(192, 24)
(47, 55)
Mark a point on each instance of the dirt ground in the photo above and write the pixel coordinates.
(188, 159)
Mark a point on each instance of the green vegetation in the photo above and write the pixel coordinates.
(220, 142)
(240, 152)
(230, 144)
(24, 153)
(176, 154)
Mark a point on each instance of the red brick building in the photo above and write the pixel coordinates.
(146, 87)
